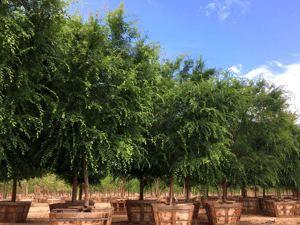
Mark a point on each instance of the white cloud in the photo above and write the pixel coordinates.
(224, 7)
(235, 69)
(279, 74)
(210, 8)
(200, 8)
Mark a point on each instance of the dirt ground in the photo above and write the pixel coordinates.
(40, 216)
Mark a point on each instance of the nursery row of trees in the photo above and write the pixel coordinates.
(50, 185)
(87, 99)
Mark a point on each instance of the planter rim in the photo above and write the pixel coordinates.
(176, 205)
(14, 203)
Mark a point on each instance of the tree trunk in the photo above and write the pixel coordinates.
(151, 193)
(86, 183)
(184, 189)
(224, 191)
(80, 191)
(188, 188)
(157, 188)
(279, 194)
(255, 191)
(207, 191)
(26, 191)
(297, 195)
(141, 189)
(14, 191)
(122, 193)
(243, 192)
(264, 193)
(171, 189)
(74, 192)
(219, 192)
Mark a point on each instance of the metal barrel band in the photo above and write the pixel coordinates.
(225, 208)
(172, 220)
(74, 219)
(187, 210)
(226, 216)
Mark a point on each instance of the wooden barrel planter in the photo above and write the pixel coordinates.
(140, 212)
(119, 206)
(250, 205)
(173, 214)
(280, 208)
(224, 213)
(14, 212)
(76, 215)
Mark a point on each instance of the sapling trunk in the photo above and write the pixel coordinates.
(74, 192)
(264, 193)
(86, 183)
(184, 188)
(141, 189)
(224, 191)
(80, 191)
(188, 188)
(220, 192)
(157, 187)
(207, 191)
(297, 195)
(171, 189)
(122, 192)
(14, 191)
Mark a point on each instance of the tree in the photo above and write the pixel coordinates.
(27, 34)
(104, 89)
(195, 137)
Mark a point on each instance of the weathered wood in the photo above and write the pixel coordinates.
(173, 214)
(280, 208)
(96, 216)
(14, 212)
(262, 204)
(224, 213)
(119, 205)
(250, 205)
(140, 212)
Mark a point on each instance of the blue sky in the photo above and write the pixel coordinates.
(249, 37)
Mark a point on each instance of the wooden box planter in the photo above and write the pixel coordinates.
(81, 202)
(224, 213)
(69, 203)
(52, 201)
(14, 212)
(76, 215)
(165, 200)
(297, 207)
(196, 209)
(250, 205)
(173, 214)
(140, 212)
(262, 204)
(210, 199)
(280, 208)
(119, 206)
(41, 200)
(104, 200)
